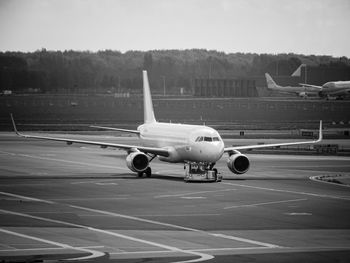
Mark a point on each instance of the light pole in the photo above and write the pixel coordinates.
(164, 85)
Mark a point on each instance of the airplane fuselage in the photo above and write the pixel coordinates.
(335, 88)
(337, 85)
(186, 143)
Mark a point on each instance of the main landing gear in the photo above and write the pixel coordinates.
(147, 172)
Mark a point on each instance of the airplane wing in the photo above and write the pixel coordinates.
(311, 86)
(116, 129)
(152, 150)
(248, 147)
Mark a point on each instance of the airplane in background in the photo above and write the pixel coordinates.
(193, 145)
(332, 89)
(301, 91)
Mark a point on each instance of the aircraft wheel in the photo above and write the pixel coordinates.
(148, 172)
(140, 174)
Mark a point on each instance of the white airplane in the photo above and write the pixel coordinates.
(174, 143)
(332, 89)
(301, 91)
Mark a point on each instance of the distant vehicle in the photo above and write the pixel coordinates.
(301, 91)
(6, 93)
(332, 89)
(198, 147)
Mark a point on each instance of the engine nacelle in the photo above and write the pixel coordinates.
(137, 161)
(238, 163)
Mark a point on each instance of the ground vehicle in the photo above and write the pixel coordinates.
(201, 172)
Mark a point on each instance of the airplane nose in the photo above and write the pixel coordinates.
(216, 152)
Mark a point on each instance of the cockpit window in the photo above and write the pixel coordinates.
(207, 139)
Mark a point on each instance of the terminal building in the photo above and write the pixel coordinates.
(255, 86)
(225, 87)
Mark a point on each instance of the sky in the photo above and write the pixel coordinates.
(319, 27)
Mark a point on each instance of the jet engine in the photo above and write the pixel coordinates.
(238, 163)
(137, 161)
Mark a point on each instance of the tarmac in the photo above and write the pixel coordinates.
(82, 203)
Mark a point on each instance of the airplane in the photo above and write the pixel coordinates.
(174, 143)
(332, 89)
(301, 91)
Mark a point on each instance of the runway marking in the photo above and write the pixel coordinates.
(291, 192)
(193, 193)
(45, 248)
(319, 180)
(269, 245)
(53, 201)
(27, 198)
(193, 197)
(230, 249)
(94, 253)
(177, 227)
(106, 183)
(96, 182)
(178, 215)
(266, 203)
(197, 250)
(202, 257)
(263, 244)
(65, 161)
(298, 214)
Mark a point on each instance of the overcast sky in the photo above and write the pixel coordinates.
(320, 27)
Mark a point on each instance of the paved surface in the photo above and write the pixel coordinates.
(62, 201)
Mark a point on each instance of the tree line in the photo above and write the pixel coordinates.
(112, 71)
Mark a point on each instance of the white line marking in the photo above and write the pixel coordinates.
(87, 199)
(66, 161)
(298, 214)
(203, 257)
(193, 197)
(93, 253)
(46, 248)
(95, 182)
(263, 244)
(106, 184)
(197, 250)
(319, 180)
(194, 193)
(177, 215)
(266, 203)
(175, 226)
(291, 192)
(26, 198)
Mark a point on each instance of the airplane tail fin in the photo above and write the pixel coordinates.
(147, 100)
(297, 72)
(271, 84)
